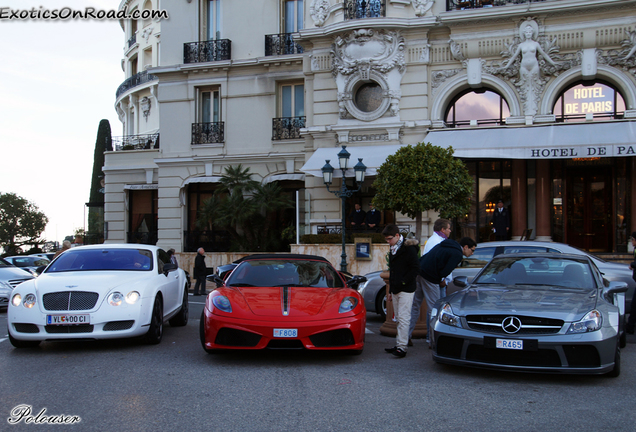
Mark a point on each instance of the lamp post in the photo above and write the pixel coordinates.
(343, 193)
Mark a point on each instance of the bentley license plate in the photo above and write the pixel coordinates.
(509, 344)
(285, 333)
(67, 319)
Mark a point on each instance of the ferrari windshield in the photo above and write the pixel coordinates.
(540, 270)
(102, 259)
(285, 273)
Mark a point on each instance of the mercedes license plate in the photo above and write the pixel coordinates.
(509, 344)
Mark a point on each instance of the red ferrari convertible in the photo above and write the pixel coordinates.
(284, 301)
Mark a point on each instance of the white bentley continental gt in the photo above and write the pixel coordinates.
(100, 292)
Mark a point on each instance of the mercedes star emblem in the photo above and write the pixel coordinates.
(511, 325)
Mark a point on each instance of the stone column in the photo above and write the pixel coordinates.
(519, 200)
(543, 201)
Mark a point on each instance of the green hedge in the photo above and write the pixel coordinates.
(337, 238)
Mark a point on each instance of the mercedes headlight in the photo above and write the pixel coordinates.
(592, 321)
(446, 316)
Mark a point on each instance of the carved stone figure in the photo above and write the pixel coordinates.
(530, 82)
(631, 41)
(319, 11)
(422, 6)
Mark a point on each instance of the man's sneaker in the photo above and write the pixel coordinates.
(390, 350)
(399, 352)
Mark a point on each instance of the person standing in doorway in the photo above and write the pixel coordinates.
(501, 222)
(357, 218)
(403, 270)
(200, 272)
(373, 219)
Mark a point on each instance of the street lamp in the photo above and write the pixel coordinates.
(343, 193)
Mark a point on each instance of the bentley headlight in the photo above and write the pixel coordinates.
(447, 316)
(132, 297)
(29, 301)
(222, 303)
(348, 304)
(115, 298)
(16, 300)
(592, 321)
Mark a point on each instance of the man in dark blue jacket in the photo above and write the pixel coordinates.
(439, 263)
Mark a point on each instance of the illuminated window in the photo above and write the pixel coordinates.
(485, 107)
(598, 99)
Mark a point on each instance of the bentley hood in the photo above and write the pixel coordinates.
(560, 303)
(94, 281)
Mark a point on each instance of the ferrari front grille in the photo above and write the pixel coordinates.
(70, 300)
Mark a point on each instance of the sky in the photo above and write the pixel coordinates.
(57, 81)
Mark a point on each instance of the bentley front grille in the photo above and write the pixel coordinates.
(70, 300)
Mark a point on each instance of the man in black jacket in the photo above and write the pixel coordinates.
(403, 270)
(438, 263)
(501, 222)
(200, 272)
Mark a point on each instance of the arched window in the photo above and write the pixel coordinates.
(597, 99)
(483, 106)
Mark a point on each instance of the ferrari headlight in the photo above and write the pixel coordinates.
(348, 304)
(132, 297)
(592, 321)
(115, 299)
(447, 316)
(222, 303)
(29, 301)
(16, 300)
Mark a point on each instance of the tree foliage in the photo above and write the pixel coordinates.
(247, 210)
(423, 177)
(21, 223)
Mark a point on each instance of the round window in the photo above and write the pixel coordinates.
(368, 97)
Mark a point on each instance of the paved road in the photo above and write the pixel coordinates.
(125, 386)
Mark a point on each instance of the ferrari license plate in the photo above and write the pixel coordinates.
(509, 344)
(285, 333)
(67, 319)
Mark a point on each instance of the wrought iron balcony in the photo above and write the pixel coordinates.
(281, 44)
(358, 9)
(452, 5)
(136, 142)
(287, 127)
(132, 40)
(208, 51)
(134, 81)
(208, 133)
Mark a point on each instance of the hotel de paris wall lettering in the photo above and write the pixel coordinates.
(368, 66)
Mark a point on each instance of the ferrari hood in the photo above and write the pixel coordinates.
(285, 301)
(93, 281)
(559, 303)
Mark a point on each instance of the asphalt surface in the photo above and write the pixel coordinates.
(126, 386)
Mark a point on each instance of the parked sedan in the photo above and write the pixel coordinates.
(283, 301)
(100, 292)
(374, 289)
(545, 312)
(29, 263)
(10, 277)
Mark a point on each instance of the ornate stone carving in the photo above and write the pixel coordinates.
(624, 59)
(144, 104)
(422, 6)
(367, 56)
(319, 10)
(146, 33)
(438, 77)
